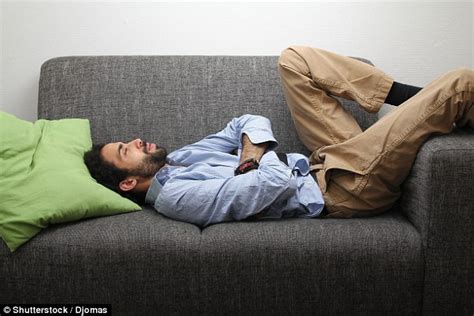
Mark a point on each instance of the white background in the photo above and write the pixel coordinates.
(414, 41)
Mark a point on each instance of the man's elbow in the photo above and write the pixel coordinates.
(283, 177)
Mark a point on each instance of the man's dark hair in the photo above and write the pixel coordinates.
(109, 175)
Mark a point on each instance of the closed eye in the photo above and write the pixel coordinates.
(120, 151)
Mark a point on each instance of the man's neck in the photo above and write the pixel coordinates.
(144, 184)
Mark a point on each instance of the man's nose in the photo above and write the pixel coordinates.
(137, 143)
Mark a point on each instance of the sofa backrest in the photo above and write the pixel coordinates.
(170, 100)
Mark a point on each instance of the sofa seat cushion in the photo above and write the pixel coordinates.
(328, 264)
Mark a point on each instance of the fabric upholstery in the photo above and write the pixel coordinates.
(141, 262)
(439, 201)
(153, 97)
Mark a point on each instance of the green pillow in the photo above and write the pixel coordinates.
(43, 178)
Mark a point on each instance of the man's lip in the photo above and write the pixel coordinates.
(150, 146)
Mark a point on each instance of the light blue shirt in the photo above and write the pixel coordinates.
(198, 184)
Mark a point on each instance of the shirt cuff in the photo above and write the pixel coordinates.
(258, 136)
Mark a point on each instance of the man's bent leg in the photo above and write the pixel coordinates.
(362, 176)
(309, 75)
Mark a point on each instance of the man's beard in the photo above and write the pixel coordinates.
(150, 164)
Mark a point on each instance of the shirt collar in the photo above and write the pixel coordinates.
(159, 180)
(153, 191)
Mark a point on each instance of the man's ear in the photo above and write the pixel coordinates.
(128, 184)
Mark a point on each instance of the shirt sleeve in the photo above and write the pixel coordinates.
(257, 128)
(205, 202)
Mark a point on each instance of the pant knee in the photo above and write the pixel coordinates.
(461, 77)
(286, 56)
(289, 58)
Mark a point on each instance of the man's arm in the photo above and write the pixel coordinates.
(257, 129)
(252, 151)
(250, 155)
(204, 200)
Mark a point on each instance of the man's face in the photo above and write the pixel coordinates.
(138, 157)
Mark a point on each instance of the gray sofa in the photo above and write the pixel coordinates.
(415, 259)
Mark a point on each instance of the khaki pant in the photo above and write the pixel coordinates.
(360, 173)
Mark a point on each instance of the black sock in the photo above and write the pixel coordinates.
(400, 92)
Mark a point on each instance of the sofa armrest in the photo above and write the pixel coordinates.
(438, 198)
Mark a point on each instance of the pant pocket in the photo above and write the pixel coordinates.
(343, 196)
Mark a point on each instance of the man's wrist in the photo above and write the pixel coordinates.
(246, 166)
(250, 150)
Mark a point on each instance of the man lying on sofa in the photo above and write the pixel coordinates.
(350, 172)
